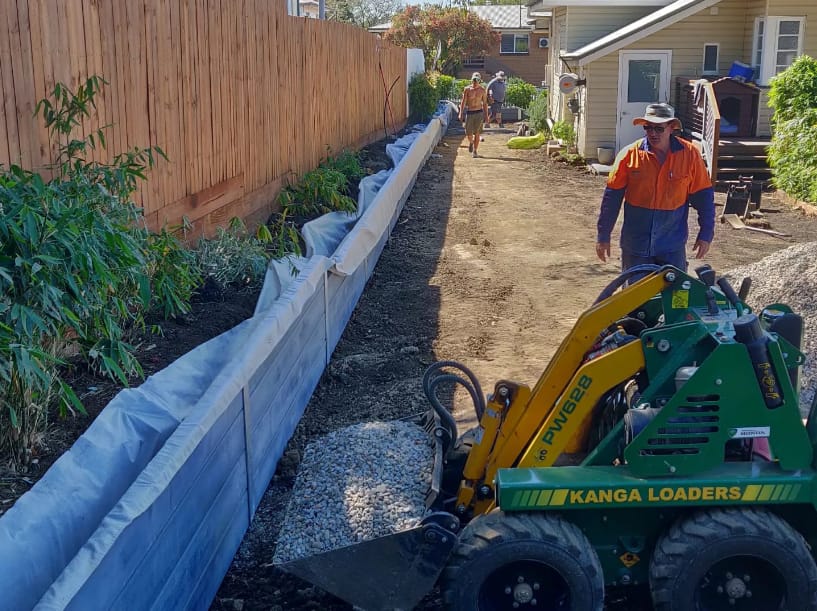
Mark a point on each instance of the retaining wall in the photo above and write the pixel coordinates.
(148, 508)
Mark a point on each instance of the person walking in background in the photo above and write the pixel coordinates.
(496, 97)
(473, 111)
(658, 178)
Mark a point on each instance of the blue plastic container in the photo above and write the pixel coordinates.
(741, 72)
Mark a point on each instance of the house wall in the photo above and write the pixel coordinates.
(574, 27)
(754, 9)
(558, 42)
(310, 10)
(686, 39)
(799, 8)
(783, 8)
(531, 67)
(588, 23)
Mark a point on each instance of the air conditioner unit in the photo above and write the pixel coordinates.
(544, 43)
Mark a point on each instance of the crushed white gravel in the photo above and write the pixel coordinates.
(788, 276)
(355, 484)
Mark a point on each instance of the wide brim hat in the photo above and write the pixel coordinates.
(658, 114)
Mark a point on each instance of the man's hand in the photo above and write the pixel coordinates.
(700, 248)
(603, 250)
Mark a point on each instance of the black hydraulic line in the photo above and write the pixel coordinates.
(434, 376)
(624, 277)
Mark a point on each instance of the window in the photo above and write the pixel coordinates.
(514, 43)
(757, 53)
(778, 41)
(710, 58)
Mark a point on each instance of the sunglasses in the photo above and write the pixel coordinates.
(654, 128)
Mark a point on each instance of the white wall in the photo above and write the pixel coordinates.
(415, 64)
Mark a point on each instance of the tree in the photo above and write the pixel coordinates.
(446, 35)
(364, 13)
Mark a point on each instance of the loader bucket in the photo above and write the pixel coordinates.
(397, 570)
(391, 572)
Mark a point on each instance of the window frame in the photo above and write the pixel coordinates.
(768, 52)
(516, 37)
(714, 70)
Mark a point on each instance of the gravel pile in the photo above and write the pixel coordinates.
(356, 484)
(789, 276)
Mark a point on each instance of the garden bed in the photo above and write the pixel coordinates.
(214, 310)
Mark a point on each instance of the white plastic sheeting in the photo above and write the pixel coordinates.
(148, 507)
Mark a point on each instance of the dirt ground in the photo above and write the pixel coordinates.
(491, 262)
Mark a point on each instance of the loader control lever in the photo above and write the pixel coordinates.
(731, 295)
(706, 274)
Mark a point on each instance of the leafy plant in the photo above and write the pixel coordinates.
(234, 257)
(519, 93)
(443, 86)
(174, 271)
(346, 162)
(458, 87)
(794, 90)
(78, 270)
(327, 188)
(422, 98)
(793, 156)
(286, 238)
(564, 131)
(793, 151)
(538, 113)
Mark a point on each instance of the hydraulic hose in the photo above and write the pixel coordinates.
(623, 277)
(434, 376)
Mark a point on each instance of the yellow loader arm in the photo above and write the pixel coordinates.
(532, 428)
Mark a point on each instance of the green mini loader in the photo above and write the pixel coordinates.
(662, 448)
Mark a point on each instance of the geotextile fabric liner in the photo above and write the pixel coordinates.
(149, 506)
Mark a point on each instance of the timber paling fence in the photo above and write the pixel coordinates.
(241, 96)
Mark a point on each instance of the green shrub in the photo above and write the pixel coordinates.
(443, 86)
(538, 113)
(422, 98)
(327, 188)
(457, 88)
(793, 151)
(234, 257)
(347, 162)
(519, 93)
(562, 130)
(78, 270)
(794, 90)
(793, 156)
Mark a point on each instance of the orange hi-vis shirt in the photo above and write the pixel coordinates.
(657, 198)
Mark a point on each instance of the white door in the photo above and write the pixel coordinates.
(643, 79)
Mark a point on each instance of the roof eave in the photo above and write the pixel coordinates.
(589, 53)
